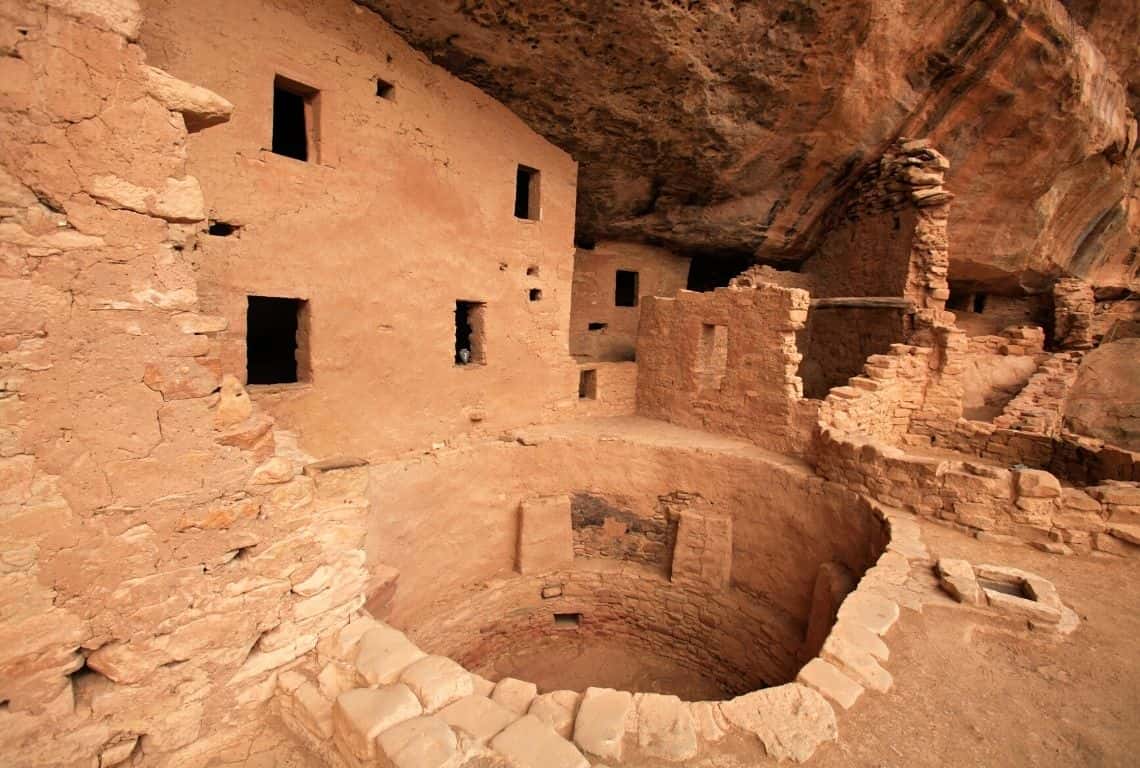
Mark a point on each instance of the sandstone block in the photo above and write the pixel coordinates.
(477, 717)
(1125, 532)
(557, 709)
(200, 107)
(383, 653)
(600, 726)
(360, 715)
(791, 720)
(828, 680)
(422, 742)
(874, 612)
(709, 720)
(1036, 483)
(437, 681)
(957, 578)
(856, 661)
(545, 538)
(665, 728)
(515, 695)
(530, 743)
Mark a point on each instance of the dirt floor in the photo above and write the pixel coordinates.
(973, 691)
(969, 689)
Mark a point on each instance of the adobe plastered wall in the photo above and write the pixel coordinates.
(409, 209)
(785, 523)
(659, 273)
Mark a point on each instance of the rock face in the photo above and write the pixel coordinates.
(1105, 400)
(726, 128)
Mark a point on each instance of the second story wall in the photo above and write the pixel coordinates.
(403, 211)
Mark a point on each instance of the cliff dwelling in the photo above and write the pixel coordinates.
(569, 385)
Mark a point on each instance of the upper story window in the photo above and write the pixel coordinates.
(527, 193)
(296, 111)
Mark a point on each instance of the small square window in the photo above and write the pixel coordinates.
(276, 340)
(532, 270)
(588, 384)
(535, 294)
(567, 620)
(385, 90)
(470, 334)
(526, 193)
(625, 289)
(295, 117)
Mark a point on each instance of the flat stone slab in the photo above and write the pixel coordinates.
(515, 695)
(958, 580)
(600, 726)
(665, 728)
(422, 742)
(828, 680)
(477, 717)
(791, 720)
(362, 714)
(530, 743)
(853, 658)
(873, 611)
(383, 653)
(709, 720)
(558, 710)
(437, 681)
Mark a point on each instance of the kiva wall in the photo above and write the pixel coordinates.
(408, 208)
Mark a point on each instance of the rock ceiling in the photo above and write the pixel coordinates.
(727, 128)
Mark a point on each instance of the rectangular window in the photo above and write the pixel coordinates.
(712, 356)
(526, 193)
(469, 333)
(567, 620)
(276, 340)
(295, 114)
(625, 289)
(596, 326)
(385, 90)
(588, 384)
(535, 294)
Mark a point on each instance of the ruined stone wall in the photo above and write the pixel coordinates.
(164, 553)
(408, 207)
(659, 273)
(836, 342)
(887, 235)
(1073, 307)
(726, 361)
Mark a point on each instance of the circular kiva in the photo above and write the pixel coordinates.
(371, 696)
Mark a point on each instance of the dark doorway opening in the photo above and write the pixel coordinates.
(275, 336)
(588, 384)
(625, 289)
(526, 193)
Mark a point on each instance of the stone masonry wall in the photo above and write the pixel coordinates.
(165, 548)
(726, 361)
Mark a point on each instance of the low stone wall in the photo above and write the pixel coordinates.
(869, 431)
